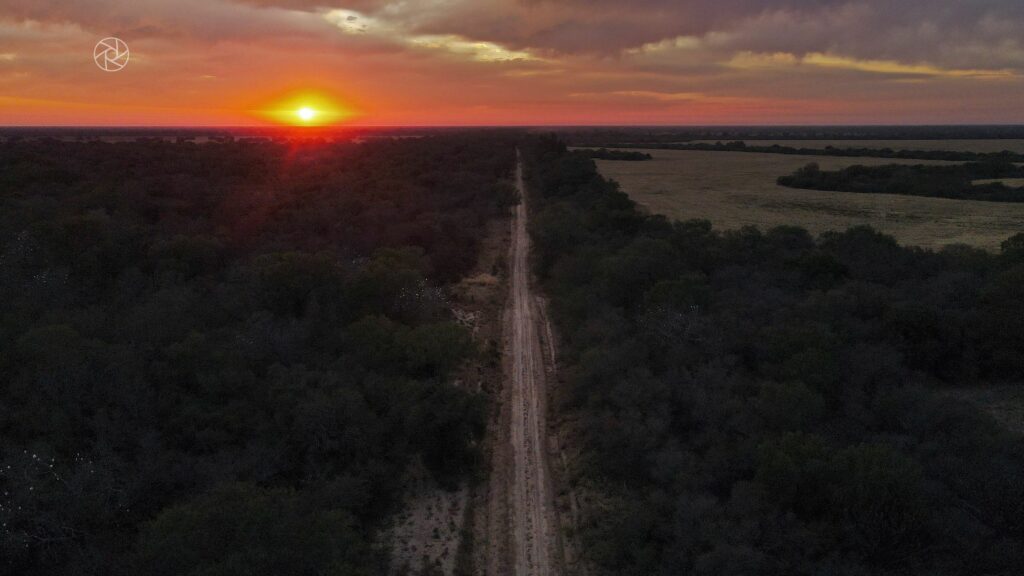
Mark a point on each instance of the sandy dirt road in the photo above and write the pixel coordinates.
(533, 531)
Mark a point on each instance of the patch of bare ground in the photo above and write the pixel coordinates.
(1005, 402)
(438, 531)
(482, 295)
(425, 536)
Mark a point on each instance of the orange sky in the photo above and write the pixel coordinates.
(529, 62)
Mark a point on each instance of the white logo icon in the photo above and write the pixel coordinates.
(110, 54)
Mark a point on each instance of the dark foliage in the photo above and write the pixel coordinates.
(644, 136)
(951, 155)
(219, 358)
(937, 181)
(762, 402)
(606, 154)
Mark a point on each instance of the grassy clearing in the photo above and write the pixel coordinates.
(733, 189)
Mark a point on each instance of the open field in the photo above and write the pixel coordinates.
(994, 145)
(733, 189)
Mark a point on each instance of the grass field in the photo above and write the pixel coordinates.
(952, 145)
(733, 189)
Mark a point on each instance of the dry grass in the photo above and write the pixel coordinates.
(733, 189)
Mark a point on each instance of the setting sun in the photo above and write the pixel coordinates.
(307, 109)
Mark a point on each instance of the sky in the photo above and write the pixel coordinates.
(514, 62)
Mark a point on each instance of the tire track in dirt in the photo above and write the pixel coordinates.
(531, 506)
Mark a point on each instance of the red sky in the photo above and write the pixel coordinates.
(532, 62)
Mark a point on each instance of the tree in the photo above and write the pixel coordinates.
(245, 530)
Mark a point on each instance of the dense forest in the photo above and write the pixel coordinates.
(764, 402)
(220, 358)
(606, 154)
(951, 155)
(958, 181)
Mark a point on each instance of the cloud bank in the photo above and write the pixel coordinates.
(528, 61)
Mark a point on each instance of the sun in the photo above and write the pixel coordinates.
(306, 109)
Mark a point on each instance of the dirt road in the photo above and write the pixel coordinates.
(533, 547)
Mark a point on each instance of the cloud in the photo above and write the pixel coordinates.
(933, 31)
(979, 34)
(206, 20)
(781, 60)
(478, 50)
(644, 95)
(642, 60)
(892, 67)
(351, 22)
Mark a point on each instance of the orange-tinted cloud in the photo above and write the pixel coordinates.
(516, 62)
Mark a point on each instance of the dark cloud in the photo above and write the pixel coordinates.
(953, 32)
(205, 21)
(975, 33)
(944, 31)
(314, 5)
(600, 60)
(605, 26)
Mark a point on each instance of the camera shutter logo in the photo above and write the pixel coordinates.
(110, 54)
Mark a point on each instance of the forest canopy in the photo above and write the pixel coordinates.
(958, 182)
(764, 402)
(219, 358)
(606, 154)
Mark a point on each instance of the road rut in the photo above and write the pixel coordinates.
(534, 528)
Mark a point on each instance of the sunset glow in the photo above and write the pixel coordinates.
(487, 62)
(307, 109)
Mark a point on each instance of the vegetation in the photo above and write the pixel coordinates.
(736, 190)
(740, 146)
(937, 181)
(606, 154)
(760, 402)
(220, 358)
(613, 137)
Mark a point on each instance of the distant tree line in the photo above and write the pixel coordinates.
(220, 358)
(606, 154)
(740, 146)
(918, 180)
(614, 137)
(763, 402)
